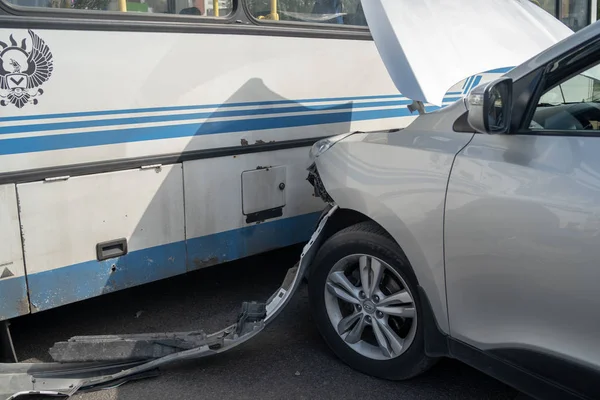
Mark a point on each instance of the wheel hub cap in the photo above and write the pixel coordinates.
(369, 307)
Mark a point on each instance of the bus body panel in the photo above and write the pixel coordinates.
(13, 285)
(64, 221)
(113, 95)
(216, 225)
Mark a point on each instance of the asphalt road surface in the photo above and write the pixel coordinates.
(288, 360)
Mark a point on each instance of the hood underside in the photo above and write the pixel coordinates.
(428, 46)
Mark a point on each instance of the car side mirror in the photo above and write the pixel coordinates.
(490, 106)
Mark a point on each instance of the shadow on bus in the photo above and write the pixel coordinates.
(257, 115)
(215, 200)
(227, 175)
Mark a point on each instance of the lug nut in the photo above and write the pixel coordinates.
(376, 299)
(358, 307)
(379, 314)
(369, 319)
(361, 294)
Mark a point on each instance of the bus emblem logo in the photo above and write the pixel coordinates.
(23, 70)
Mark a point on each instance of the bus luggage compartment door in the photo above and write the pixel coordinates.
(89, 235)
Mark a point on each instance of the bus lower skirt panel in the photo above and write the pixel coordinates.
(87, 363)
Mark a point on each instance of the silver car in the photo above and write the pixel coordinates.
(473, 233)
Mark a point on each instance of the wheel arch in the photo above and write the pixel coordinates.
(436, 340)
(356, 206)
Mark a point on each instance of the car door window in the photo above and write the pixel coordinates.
(572, 105)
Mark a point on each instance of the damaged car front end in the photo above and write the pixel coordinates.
(317, 150)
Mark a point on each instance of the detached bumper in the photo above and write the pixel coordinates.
(89, 363)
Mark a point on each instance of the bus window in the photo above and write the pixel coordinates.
(548, 5)
(574, 13)
(346, 12)
(207, 8)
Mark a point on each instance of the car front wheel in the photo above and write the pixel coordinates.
(363, 296)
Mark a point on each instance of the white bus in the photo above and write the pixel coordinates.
(142, 139)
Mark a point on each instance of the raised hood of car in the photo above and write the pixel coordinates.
(429, 45)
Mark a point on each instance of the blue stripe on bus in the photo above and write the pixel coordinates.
(98, 138)
(185, 117)
(81, 281)
(466, 84)
(452, 99)
(193, 107)
(217, 105)
(14, 297)
(499, 70)
(238, 243)
(475, 82)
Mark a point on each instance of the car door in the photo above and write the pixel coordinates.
(522, 231)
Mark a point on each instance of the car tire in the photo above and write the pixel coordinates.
(367, 239)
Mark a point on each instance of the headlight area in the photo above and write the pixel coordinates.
(323, 145)
(317, 150)
(315, 180)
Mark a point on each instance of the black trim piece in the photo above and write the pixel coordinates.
(111, 249)
(462, 124)
(264, 215)
(513, 375)
(137, 162)
(524, 89)
(436, 342)
(576, 377)
(539, 375)
(584, 134)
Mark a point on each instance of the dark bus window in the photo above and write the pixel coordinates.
(574, 13)
(344, 12)
(206, 8)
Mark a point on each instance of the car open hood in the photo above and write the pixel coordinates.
(429, 45)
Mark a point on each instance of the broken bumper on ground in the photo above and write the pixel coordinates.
(90, 363)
